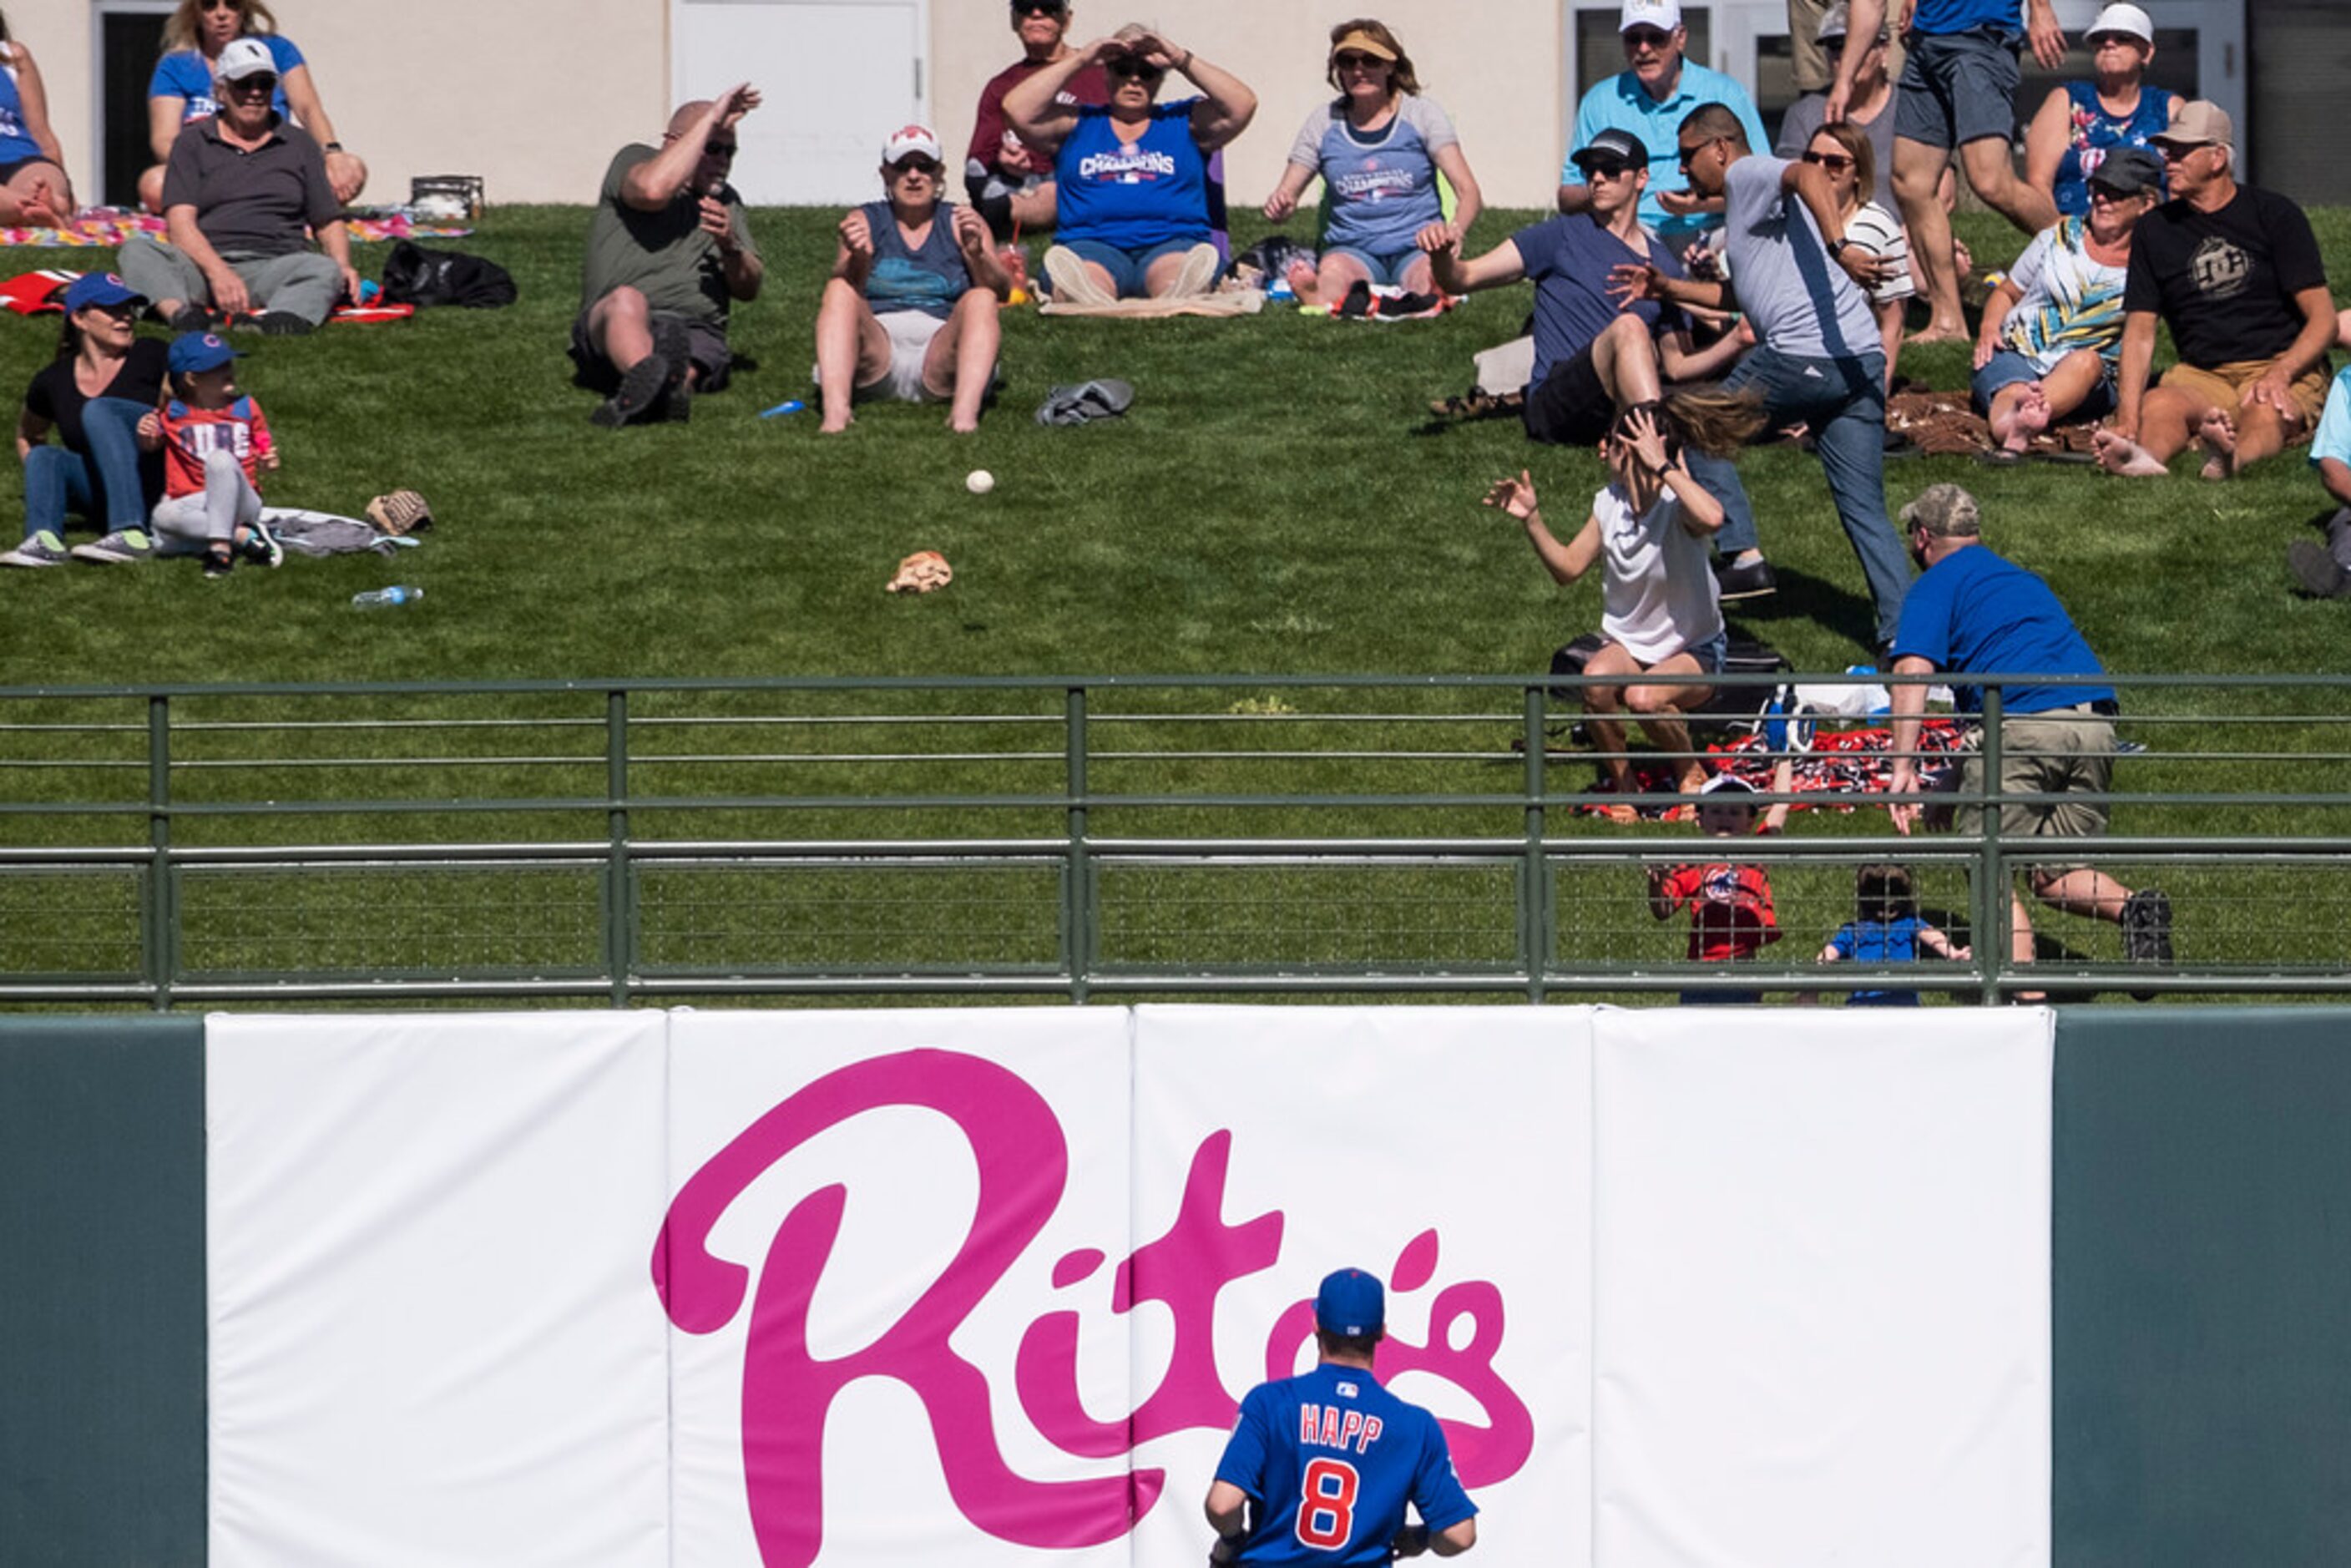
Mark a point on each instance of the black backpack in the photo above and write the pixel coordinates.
(414, 276)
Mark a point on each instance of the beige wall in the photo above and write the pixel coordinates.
(541, 91)
(1495, 65)
(535, 97)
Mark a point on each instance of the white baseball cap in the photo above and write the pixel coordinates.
(243, 57)
(2125, 18)
(1662, 15)
(908, 140)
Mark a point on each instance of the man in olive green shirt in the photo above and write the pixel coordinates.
(669, 250)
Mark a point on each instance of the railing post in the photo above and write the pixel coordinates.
(620, 906)
(161, 915)
(1535, 908)
(1077, 934)
(1992, 902)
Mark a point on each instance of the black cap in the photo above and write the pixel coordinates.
(1612, 146)
(2129, 172)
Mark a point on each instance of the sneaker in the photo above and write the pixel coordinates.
(41, 548)
(2315, 570)
(646, 383)
(1073, 284)
(281, 324)
(1746, 580)
(2146, 931)
(122, 545)
(219, 561)
(1198, 274)
(676, 405)
(194, 318)
(262, 547)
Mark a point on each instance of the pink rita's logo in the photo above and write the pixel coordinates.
(1023, 1164)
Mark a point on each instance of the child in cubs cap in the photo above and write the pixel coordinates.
(1350, 1305)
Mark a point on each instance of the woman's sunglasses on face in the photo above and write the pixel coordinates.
(1834, 162)
(1128, 65)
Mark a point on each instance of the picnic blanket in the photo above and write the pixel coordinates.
(109, 226)
(1841, 762)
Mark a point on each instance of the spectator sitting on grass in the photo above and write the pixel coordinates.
(910, 310)
(1729, 903)
(1648, 99)
(34, 190)
(669, 251)
(1661, 610)
(2235, 273)
(1010, 182)
(1594, 358)
(242, 193)
(1378, 149)
(215, 444)
(104, 380)
(2081, 123)
(1132, 175)
(2324, 570)
(2053, 327)
(181, 90)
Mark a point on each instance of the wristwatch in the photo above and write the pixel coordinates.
(1836, 246)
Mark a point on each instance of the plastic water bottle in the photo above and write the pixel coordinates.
(387, 598)
(793, 406)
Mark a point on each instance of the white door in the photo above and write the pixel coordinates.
(836, 78)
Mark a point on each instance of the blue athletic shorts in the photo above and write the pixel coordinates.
(1128, 268)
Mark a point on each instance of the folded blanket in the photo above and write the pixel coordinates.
(1231, 302)
(108, 226)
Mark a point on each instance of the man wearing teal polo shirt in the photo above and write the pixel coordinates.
(1650, 100)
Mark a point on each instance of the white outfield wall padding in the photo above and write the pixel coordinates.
(872, 1213)
(982, 1286)
(1445, 1150)
(1824, 1307)
(431, 1341)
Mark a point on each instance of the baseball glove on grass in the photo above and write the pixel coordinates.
(401, 512)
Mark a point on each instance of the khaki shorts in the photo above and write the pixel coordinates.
(2222, 385)
(2058, 752)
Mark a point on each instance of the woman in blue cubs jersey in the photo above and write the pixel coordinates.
(1322, 1467)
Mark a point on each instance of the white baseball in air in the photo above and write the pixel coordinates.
(980, 481)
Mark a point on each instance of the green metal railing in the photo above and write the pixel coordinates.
(632, 840)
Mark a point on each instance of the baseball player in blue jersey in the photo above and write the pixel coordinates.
(1321, 1467)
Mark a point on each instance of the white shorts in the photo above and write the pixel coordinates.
(910, 333)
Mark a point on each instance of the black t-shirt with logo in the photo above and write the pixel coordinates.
(2225, 281)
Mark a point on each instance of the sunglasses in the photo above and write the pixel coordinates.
(1128, 65)
(1690, 154)
(220, 5)
(1039, 9)
(1353, 61)
(2105, 194)
(718, 149)
(1607, 169)
(260, 81)
(2176, 153)
(1834, 162)
(1648, 39)
(917, 164)
(124, 310)
(2124, 41)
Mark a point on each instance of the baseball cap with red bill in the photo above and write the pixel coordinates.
(1351, 1303)
(909, 140)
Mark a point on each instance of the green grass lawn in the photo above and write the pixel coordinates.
(1276, 503)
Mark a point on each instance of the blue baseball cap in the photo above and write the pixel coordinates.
(1351, 1303)
(195, 351)
(98, 289)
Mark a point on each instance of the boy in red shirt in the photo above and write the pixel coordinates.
(215, 444)
(1731, 918)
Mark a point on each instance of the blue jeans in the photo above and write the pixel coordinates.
(106, 485)
(1843, 403)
